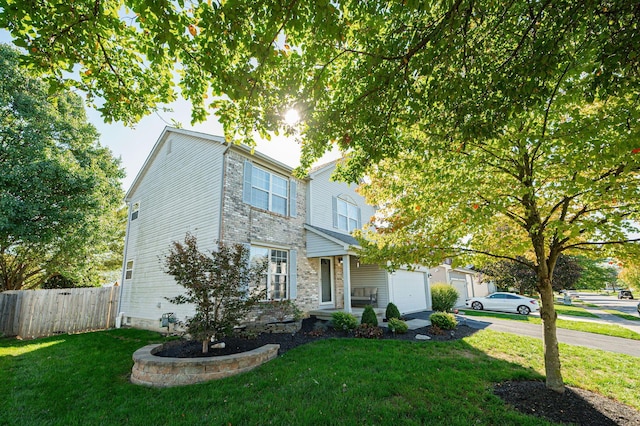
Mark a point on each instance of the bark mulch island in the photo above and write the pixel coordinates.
(576, 406)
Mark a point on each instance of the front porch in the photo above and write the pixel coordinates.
(325, 314)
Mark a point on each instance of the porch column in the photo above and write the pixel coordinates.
(346, 279)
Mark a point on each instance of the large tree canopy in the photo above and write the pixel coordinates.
(361, 73)
(59, 189)
(488, 127)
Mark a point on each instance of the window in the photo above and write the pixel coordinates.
(135, 208)
(268, 191)
(128, 270)
(276, 276)
(347, 215)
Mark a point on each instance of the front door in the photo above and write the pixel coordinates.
(326, 282)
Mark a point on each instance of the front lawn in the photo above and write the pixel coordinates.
(83, 379)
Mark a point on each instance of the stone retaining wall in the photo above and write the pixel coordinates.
(156, 371)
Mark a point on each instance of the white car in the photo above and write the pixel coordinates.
(508, 302)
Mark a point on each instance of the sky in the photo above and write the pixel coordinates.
(133, 144)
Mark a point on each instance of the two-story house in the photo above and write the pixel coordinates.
(194, 182)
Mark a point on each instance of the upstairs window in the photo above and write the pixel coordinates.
(346, 215)
(128, 270)
(268, 191)
(135, 208)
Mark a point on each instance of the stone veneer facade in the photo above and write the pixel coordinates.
(243, 223)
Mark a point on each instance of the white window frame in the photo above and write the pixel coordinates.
(135, 210)
(277, 271)
(348, 220)
(128, 271)
(269, 190)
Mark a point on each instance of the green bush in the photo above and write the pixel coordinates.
(392, 312)
(369, 316)
(368, 331)
(396, 325)
(443, 297)
(443, 320)
(344, 321)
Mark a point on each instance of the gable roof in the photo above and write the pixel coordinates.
(168, 131)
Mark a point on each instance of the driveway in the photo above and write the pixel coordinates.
(571, 337)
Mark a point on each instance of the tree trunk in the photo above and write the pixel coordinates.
(551, 351)
(205, 346)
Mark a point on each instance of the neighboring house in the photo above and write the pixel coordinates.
(194, 182)
(467, 281)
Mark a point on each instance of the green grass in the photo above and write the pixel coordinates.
(589, 327)
(572, 310)
(622, 315)
(83, 380)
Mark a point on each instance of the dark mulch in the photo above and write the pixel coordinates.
(311, 330)
(575, 406)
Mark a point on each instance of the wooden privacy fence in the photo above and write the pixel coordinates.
(28, 314)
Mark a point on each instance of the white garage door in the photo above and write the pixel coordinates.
(461, 286)
(408, 291)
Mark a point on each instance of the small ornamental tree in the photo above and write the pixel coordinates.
(218, 283)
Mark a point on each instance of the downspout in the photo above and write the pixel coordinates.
(124, 261)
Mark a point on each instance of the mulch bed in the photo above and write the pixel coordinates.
(575, 406)
(311, 331)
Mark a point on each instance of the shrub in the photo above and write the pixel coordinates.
(392, 312)
(368, 331)
(344, 321)
(369, 316)
(444, 320)
(443, 297)
(396, 325)
(212, 279)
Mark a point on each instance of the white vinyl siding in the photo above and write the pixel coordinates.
(181, 193)
(364, 275)
(323, 203)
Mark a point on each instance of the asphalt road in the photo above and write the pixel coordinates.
(611, 302)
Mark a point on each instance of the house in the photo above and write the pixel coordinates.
(194, 182)
(466, 280)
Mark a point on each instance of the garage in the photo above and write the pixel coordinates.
(409, 291)
(461, 286)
